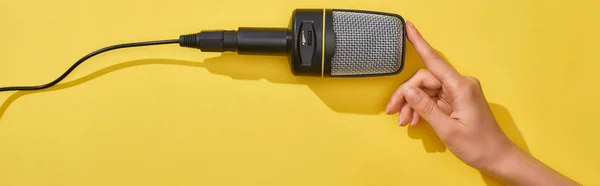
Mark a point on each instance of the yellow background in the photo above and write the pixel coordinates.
(166, 115)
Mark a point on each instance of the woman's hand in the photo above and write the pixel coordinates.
(456, 108)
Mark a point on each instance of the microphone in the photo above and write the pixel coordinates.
(319, 42)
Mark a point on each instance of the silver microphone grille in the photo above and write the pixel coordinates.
(366, 43)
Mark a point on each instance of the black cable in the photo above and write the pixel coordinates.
(106, 49)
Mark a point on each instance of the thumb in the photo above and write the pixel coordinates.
(427, 108)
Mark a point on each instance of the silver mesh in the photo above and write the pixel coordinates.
(366, 43)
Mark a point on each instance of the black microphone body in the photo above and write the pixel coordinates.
(246, 40)
(319, 42)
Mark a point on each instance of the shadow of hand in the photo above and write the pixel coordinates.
(432, 143)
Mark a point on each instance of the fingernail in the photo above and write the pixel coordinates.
(412, 124)
(387, 108)
(400, 119)
(412, 93)
(411, 25)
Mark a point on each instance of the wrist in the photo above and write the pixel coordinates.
(505, 161)
(508, 165)
(516, 167)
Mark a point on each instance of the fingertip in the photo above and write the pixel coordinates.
(387, 108)
(409, 24)
(392, 108)
(416, 119)
(405, 115)
(400, 119)
(412, 29)
(394, 105)
(409, 115)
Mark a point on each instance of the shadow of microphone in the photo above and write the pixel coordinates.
(319, 42)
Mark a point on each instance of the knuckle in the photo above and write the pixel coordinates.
(422, 72)
(402, 87)
(468, 86)
(419, 75)
(474, 80)
(416, 79)
(464, 84)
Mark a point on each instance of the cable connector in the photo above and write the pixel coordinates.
(211, 41)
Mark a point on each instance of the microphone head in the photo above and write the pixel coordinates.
(346, 43)
(366, 44)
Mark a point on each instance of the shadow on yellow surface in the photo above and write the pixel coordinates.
(367, 95)
(346, 95)
(433, 144)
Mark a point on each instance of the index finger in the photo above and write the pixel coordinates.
(438, 66)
